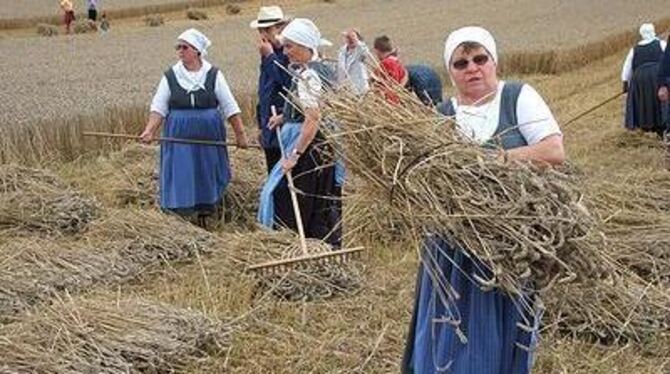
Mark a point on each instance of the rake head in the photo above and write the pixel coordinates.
(286, 265)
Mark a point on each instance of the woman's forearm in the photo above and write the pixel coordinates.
(236, 122)
(309, 129)
(154, 122)
(550, 150)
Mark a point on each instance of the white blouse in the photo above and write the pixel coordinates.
(627, 70)
(309, 88)
(535, 119)
(192, 81)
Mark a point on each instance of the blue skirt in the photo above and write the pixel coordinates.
(459, 328)
(193, 177)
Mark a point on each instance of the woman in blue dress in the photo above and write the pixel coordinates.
(193, 99)
(640, 74)
(457, 326)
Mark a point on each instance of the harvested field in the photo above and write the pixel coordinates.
(150, 291)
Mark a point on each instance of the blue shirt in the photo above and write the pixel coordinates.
(664, 71)
(273, 81)
(425, 83)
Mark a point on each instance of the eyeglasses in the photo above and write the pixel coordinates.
(463, 63)
(180, 47)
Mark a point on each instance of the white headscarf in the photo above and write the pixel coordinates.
(197, 39)
(304, 32)
(469, 34)
(648, 33)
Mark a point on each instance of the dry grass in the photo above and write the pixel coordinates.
(104, 335)
(118, 248)
(33, 200)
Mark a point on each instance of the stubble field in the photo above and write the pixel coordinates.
(70, 81)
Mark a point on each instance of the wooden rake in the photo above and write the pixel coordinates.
(285, 265)
(169, 140)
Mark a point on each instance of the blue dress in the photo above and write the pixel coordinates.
(457, 327)
(193, 177)
(643, 108)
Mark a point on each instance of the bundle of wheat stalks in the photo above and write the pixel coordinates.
(303, 282)
(525, 223)
(119, 247)
(128, 176)
(103, 336)
(36, 200)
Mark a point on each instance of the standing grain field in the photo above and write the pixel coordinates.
(44, 78)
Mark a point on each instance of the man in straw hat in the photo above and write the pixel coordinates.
(458, 325)
(274, 80)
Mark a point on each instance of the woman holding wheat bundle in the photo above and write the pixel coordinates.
(457, 326)
(193, 99)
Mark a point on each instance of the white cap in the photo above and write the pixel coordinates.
(197, 39)
(647, 32)
(304, 32)
(469, 34)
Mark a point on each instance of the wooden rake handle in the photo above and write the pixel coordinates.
(291, 189)
(170, 140)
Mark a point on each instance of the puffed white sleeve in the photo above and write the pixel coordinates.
(309, 89)
(227, 103)
(535, 119)
(161, 100)
(627, 70)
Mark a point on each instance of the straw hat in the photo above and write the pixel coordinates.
(268, 16)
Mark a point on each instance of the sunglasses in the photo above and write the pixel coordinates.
(463, 63)
(180, 47)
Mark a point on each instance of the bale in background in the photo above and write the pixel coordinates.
(84, 27)
(233, 9)
(153, 20)
(196, 14)
(45, 29)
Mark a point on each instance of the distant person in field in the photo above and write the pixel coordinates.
(104, 23)
(664, 87)
(92, 6)
(194, 100)
(68, 14)
(391, 72)
(274, 79)
(425, 82)
(640, 80)
(458, 327)
(351, 58)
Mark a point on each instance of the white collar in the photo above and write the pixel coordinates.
(191, 80)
